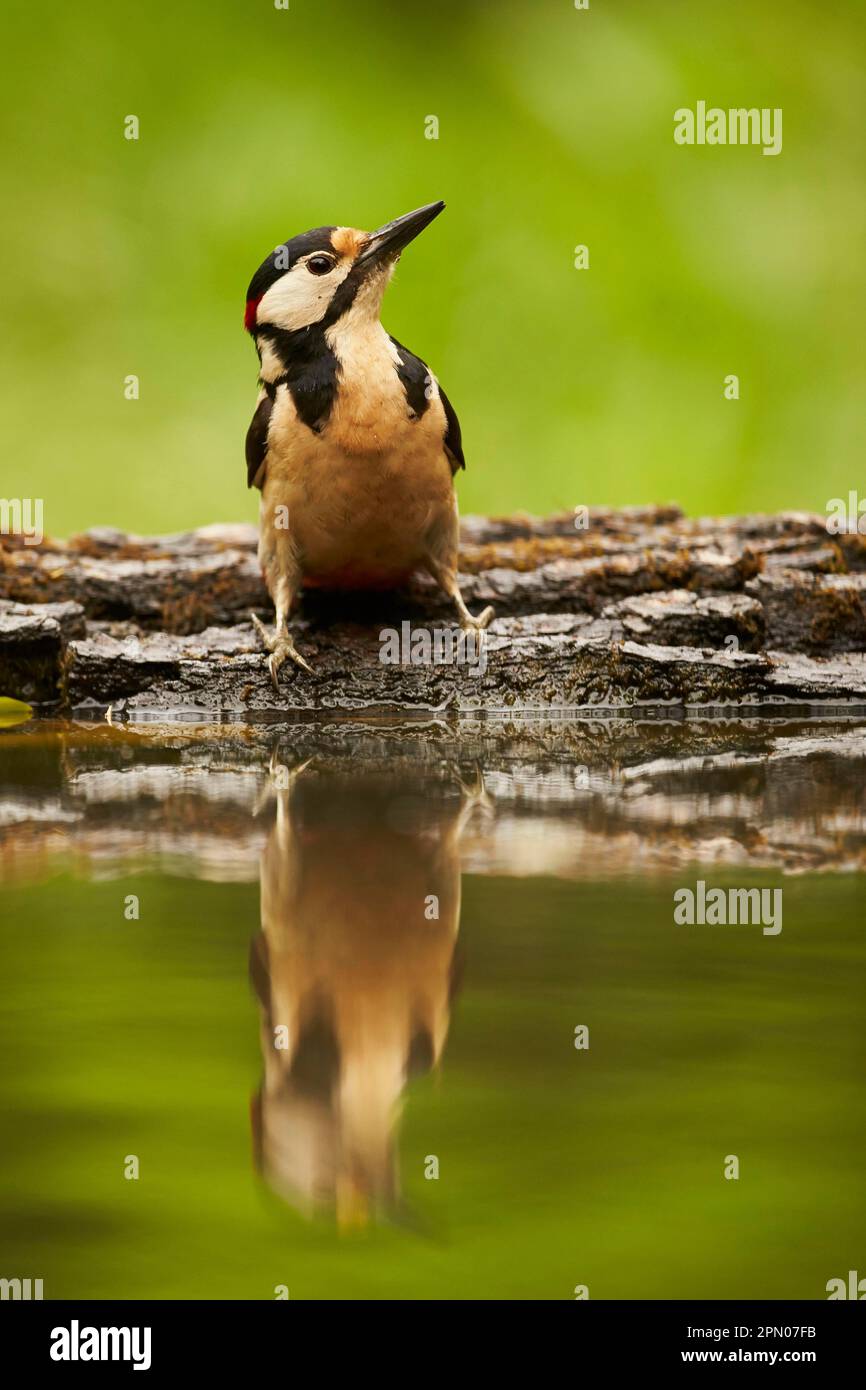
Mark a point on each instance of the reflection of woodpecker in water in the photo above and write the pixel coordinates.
(354, 971)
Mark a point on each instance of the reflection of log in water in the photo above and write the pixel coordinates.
(578, 799)
(347, 960)
(353, 967)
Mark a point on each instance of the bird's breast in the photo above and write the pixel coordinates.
(370, 414)
(365, 490)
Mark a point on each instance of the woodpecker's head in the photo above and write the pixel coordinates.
(314, 278)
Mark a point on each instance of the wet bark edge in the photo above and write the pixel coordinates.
(641, 607)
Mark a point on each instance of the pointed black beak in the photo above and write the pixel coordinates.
(386, 243)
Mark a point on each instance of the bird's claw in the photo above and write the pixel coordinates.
(470, 624)
(275, 768)
(280, 646)
(285, 647)
(475, 793)
(260, 628)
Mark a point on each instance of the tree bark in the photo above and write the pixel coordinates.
(641, 607)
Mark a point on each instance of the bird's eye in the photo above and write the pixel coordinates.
(319, 265)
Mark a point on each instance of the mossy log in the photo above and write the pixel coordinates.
(632, 608)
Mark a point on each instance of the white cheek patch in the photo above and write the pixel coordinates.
(272, 365)
(299, 298)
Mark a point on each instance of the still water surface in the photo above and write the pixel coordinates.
(323, 984)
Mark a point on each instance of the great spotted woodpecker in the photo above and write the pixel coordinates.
(353, 443)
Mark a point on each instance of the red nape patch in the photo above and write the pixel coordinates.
(250, 313)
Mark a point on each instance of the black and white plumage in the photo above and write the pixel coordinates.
(353, 443)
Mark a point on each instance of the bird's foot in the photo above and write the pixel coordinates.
(280, 646)
(475, 793)
(470, 624)
(280, 779)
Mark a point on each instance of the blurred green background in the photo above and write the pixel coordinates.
(556, 128)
